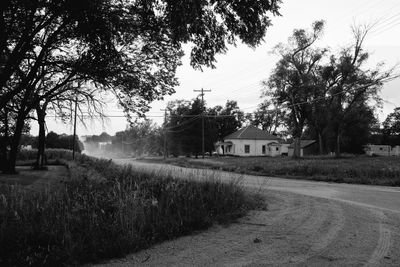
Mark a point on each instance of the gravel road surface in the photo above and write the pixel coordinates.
(307, 224)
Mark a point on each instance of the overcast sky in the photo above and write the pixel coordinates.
(239, 72)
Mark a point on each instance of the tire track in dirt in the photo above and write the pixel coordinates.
(287, 236)
(328, 230)
(384, 241)
(308, 238)
(296, 230)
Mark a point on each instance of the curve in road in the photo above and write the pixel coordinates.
(307, 224)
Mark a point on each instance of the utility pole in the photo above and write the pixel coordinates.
(74, 138)
(122, 144)
(202, 117)
(165, 132)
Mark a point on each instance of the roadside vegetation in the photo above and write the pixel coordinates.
(53, 156)
(105, 211)
(348, 169)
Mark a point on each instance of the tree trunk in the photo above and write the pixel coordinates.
(3, 153)
(40, 158)
(4, 143)
(297, 134)
(297, 147)
(337, 148)
(320, 142)
(12, 160)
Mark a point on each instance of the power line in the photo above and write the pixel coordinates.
(316, 99)
(195, 117)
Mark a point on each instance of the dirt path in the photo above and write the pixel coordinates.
(306, 224)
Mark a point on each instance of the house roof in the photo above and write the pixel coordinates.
(303, 143)
(252, 133)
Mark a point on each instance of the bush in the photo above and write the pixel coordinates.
(51, 154)
(107, 211)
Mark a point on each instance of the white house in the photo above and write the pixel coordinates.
(250, 141)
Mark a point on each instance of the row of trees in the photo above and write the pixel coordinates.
(53, 140)
(182, 131)
(55, 54)
(183, 127)
(328, 95)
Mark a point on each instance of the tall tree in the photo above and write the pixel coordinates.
(351, 84)
(129, 47)
(293, 82)
(184, 127)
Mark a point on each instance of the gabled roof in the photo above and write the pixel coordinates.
(303, 143)
(252, 133)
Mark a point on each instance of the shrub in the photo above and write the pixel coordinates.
(51, 154)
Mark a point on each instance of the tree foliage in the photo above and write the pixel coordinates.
(131, 48)
(184, 126)
(391, 125)
(269, 117)
(293, 81)
(64, 141)
(144, 138)
(328, 94)
(390, 133)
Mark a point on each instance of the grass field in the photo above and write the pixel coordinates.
(105, 211)
(351, 169)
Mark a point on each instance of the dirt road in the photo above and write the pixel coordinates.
(306, 224)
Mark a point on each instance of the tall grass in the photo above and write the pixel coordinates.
(354, 169)
(107, 211)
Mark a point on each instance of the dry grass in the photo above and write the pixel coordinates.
(351, 169)
(107, 211)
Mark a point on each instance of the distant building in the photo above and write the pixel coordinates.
(382, 150)
(395, 151)
(250, 141)
(284, 148)
(307, 147)
(26, 147)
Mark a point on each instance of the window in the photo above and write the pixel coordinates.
(277, 148)
(247, 149)
(263, 149)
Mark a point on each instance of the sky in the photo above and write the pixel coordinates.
(239, 72)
